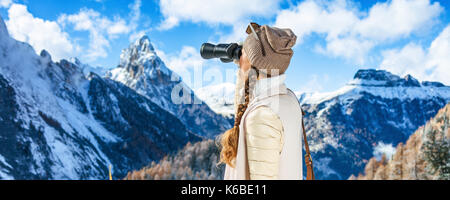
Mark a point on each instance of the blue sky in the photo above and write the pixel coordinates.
(336, 38)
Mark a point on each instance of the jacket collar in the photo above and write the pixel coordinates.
(269, 87)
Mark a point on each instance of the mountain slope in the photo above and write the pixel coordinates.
(375, 108)
(425, 156)
(219, 98)
(142, 70)
(55, 123)
(345, 128)
(194, 162)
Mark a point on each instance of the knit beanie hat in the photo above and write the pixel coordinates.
(270, 48)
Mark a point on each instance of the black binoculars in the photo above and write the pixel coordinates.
(226, 52)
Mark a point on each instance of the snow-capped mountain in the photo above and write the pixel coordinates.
(56, 123)
(374, 111)
(142, 70)
(375, 108)
(219, 98)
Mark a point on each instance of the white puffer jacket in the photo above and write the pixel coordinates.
(270, 145)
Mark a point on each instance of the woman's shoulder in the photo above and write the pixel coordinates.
(264, 127)
(283, 101)
(264, 115)
(262, 112)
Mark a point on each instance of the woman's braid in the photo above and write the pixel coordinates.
(231, 137)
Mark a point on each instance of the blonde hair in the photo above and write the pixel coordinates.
(230, 139)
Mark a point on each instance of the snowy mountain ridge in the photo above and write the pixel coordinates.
(143, 71)
(375, 108)
(219, 97)
(139, 59)
(57, 123)
(346, 127)
(382, 84)
(87, 69)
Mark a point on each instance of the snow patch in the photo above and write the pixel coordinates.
(3, 160)
(383, 149)
(5, 176)
(220, 98)
(356, 91)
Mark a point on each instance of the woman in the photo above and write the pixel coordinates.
(265, 142)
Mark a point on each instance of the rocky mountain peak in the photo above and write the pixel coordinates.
(75, 60)
(141, 50)
(140, 59)
(411, 81)
(377, 75)
(46, 55)
(70, 127)
(144, 45)
(382, 78)
(143, 71)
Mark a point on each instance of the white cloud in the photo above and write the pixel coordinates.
(135, 18)
(314, 84)
(310, 16)
(237, 34)
(50, 35)
(214, 12)
(100, 28)
(432, 64)
(5, 3)
(103, 29)
(118, 27)
(181, 62)
(41, 34)
(383, 149)
(193, 69)
(398, 18)
(350, 48)
(136, 35)
(350, 32)
(135, 13)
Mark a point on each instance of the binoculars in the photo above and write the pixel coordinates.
(225, 52)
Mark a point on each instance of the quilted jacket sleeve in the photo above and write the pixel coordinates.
(264, 135)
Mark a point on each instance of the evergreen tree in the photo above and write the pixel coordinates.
(437, 150)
